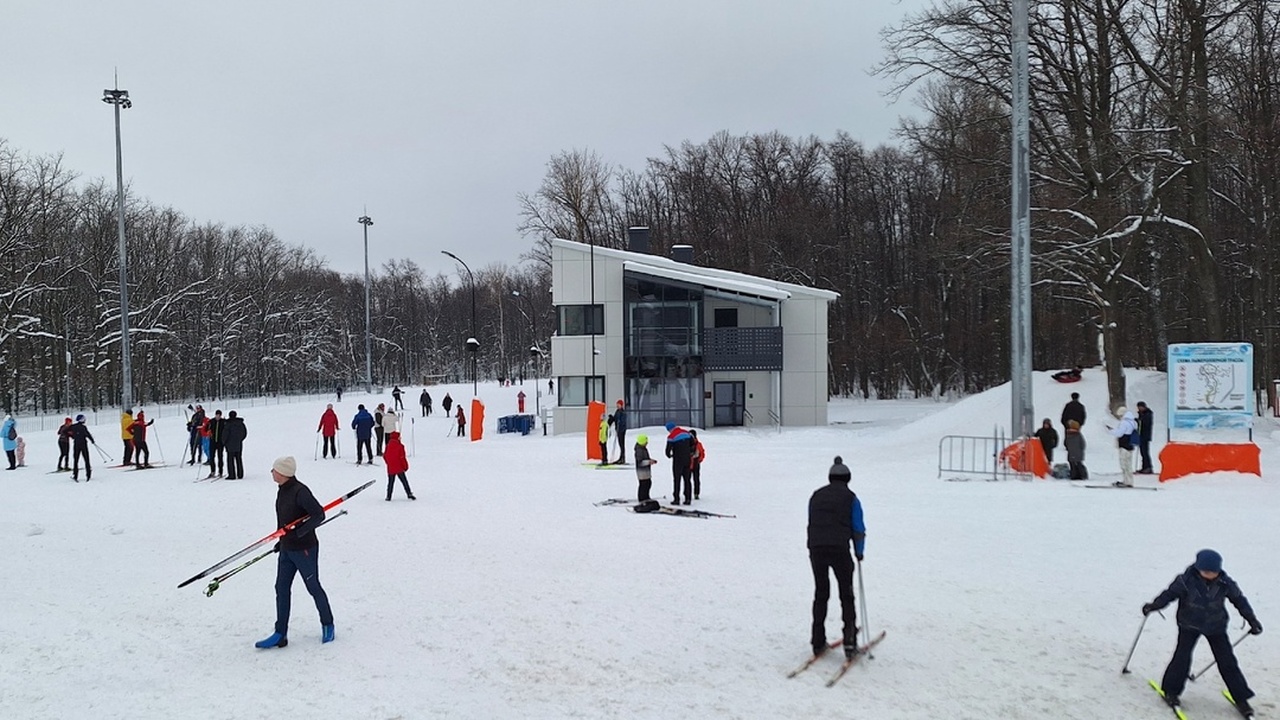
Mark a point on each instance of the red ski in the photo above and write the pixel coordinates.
(862, 651)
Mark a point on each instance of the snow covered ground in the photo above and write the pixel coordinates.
(504, 593)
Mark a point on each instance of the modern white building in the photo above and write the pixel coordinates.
(697, 346)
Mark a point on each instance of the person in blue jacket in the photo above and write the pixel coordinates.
(1201, 591)
(363, 425)
(9, 433)
(835, 519)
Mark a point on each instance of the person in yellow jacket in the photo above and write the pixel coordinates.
(126, 434)
(603, 439)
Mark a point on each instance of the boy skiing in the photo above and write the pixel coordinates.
(835, 519)
(1201, 591)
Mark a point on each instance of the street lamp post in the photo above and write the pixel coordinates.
(473, 345)
(366, 221)
(118, 99)
(534, 352)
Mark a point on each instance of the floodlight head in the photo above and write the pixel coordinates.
(472, 344)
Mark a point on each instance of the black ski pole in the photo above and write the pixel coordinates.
(1205, 669)
(1125, 670)
(217, 582)
(862, 591)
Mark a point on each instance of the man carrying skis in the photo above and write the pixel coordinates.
(299, 552)
(1201, 591)
(835, 519)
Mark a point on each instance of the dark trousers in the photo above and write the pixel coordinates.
(462, 429)
(330, 446)
(64, 454)
(622, 445)
(399, 402)
(697, 479)
(424, 411)
(305, 563)
(604, 454)
(839, 561)
(194, 445)
(215, 457)
(363, 448)
(13, 458)
(378, 431)
(1145, 448)
(235, 465)
(391, 484)
(679, 474)
(1175, 676)
(81, 450)
(1078, 471)
(643, 491)
(140, 450)
(128, 453)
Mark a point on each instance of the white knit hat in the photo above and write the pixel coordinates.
(286, 466)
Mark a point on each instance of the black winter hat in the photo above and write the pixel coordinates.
(839, 472)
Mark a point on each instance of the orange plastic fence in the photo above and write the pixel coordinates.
(1179, 459)
(1026, 456)
(477, 419)
(595, 413)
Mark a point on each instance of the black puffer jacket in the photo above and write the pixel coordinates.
(294, 500)
(233, 434)
(1201, 603)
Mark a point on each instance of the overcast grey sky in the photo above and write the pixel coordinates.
(434, 115)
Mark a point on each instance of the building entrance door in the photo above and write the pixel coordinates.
(729, 399)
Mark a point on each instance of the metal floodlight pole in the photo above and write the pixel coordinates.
(1020, 230)
(473, 345)
(366, 221)
(118, 99)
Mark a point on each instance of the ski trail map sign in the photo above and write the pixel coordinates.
(1211, 386)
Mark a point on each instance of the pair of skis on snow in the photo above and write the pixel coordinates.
(1177, 710)
(844, 666)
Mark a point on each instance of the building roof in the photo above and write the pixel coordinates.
(735, 282)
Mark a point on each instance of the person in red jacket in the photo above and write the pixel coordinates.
(140, 450)
(695, 464)
(328, 430)
(397, 465)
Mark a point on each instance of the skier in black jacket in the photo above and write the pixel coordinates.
(233, 434)
(299, 552)
(835, 519)
(80, 439)
(1201, 591)
(680, 449)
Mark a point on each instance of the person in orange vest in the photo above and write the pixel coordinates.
(695, 463)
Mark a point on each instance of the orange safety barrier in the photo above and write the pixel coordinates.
(595, 413)
(477, 419)
(1026, 456)
(1178, 459)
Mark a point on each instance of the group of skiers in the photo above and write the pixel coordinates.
(217, 442)
(1133, 431)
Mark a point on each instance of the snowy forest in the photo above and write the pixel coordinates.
(1155, 147)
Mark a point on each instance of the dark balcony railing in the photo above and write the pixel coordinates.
(756, 348)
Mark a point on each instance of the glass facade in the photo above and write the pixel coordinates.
(662, 330)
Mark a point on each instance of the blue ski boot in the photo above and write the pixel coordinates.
(276, 640)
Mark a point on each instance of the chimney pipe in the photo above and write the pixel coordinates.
(682, 253)
(638, 239)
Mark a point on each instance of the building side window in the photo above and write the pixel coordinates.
(726, 317)
(578, 391)
(581, 320)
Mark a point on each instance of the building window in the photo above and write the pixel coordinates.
(581, 320)
(577, 391)
(726, 317)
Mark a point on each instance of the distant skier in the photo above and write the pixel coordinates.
(602, 437)
(216, 444)
(835, 519)
(1123, 433)
(1202, 591)
(680, 449)
(462, 422)
(1048, 439)
(362, 423)
(194, 426)
(338, 389)
(378, 429)
(233, 435)
(619, 421)
(9, 431)
(64, 445)
(696, 459)
(644, 467)
(397, 465)
(140, 449)
(126, 435)
(1146, 424)
(395, 395)
(80, 439)
(446, 403)
(425, 401)
(328, 430)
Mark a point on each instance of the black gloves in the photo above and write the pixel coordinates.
(859, 558)
(1255, 627)
(1148, 609)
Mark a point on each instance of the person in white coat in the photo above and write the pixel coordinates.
(390, 422)
(1123, 432)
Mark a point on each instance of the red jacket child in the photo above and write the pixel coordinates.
(393, 455)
